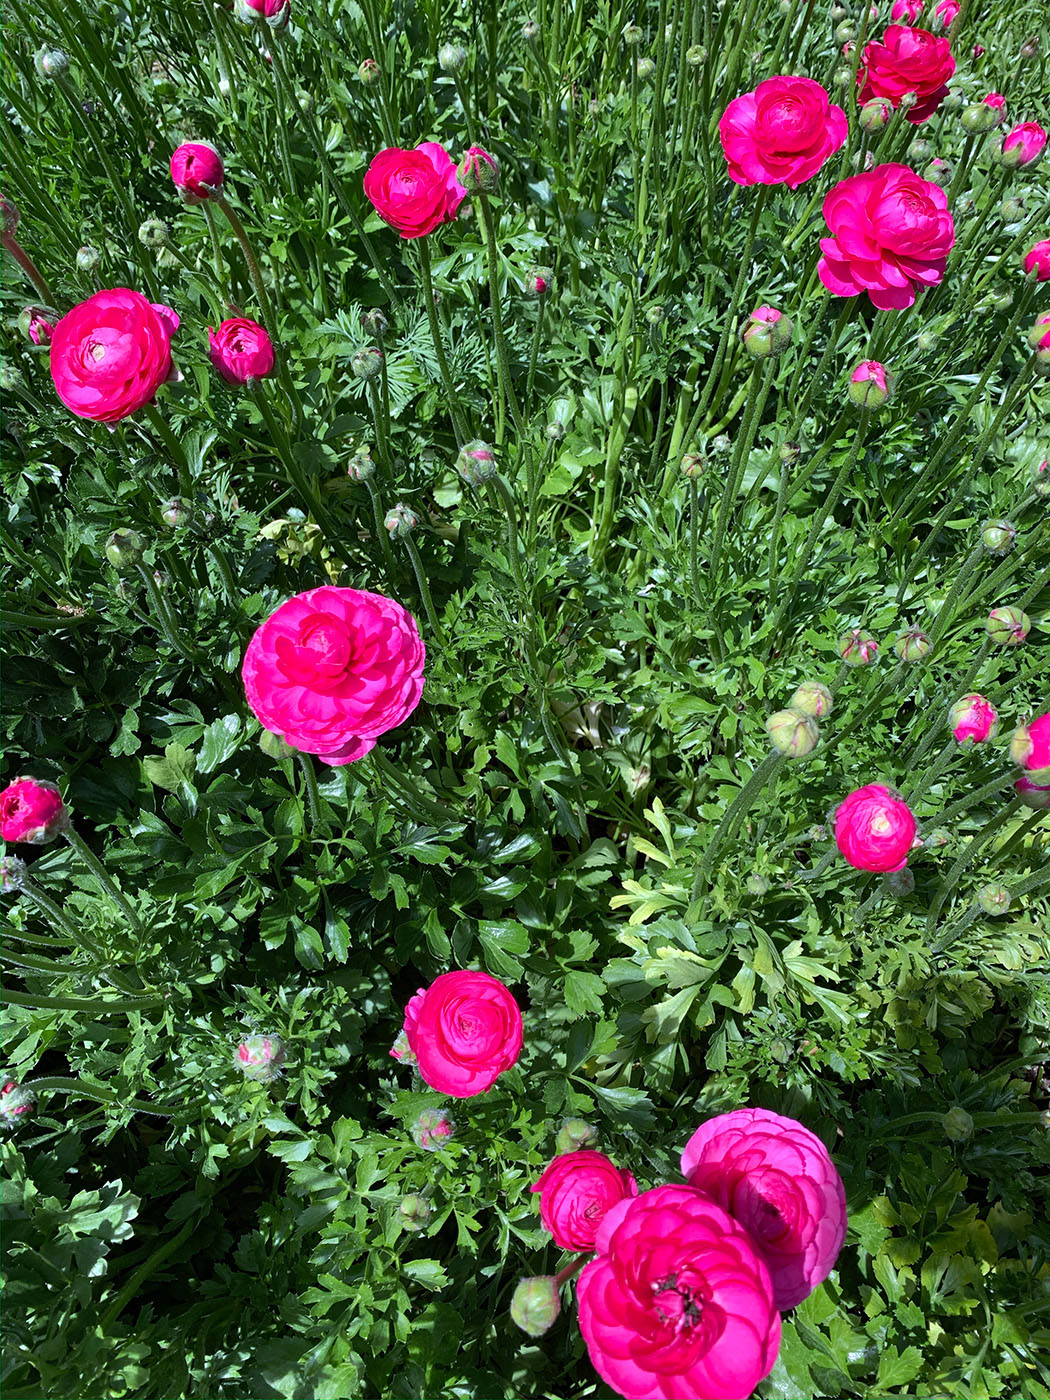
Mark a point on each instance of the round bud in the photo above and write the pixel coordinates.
(368, 71)
(939, 172)
(927, 341)
(998, 536)
(374, 322)
(692, 465)
(695, 55)
(720, 444)
(1022, 748)
(993, 899)
(530, 31)
(12, 874)
(907, 101)
(476, 462)
(1029, 49)
(367, 362)
(965, 205)
(478, 170)
(957, 1124)
(574, 1135)
(912, 645)
(845, 32)
(1033, 795)
(361, 467)
(414, 1212)
(451, 58)
(535, 1305)
(51, 63)
(1039, 338)
(631, 34)
(793, 734)
(37, 324)
(875, 114)
(756, 884)
(260, 1057)
(655, 315)
(843, 77)
(432, 1129)
(555, 430)
(938, 838)
(979, 117)
(1012, 209)
(767, 332)
(898, 884)
(871, 385)
(177, 512)
(17, 1102)
(400, 521)
(953, 100)
(645, 68)
(1008, 627)
(857, 647)
(812, 698)
(88, 259)
(538, 281)
(919, 150)
(154, 233)
(125, 548)
(9, 217)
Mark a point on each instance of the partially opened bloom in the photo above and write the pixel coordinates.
(414, 191)
(907, 11)
(334, 668)
(1037, 260)
(782, 133)
(677, 1303)
(478, 170)
(874, 829)
(1033, 795)
(111, 354)
(195, 165)
(32, 810)
(973, 719)
(1023, 145)
(947, 12)
(776, 1179)
(1030, 748)
(870, 385)
(891, 234)
(36, 323)
(240, 350)
(464, 1030)
(906, 61)
(577, 1191)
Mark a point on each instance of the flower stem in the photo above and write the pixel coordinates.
(973, 850)
(28, 266)
(738, 809)
(438, 341)
(313, 800)
(55, 1085)
(506, 384)
(102, 875)
(175, 449)
(424, 591)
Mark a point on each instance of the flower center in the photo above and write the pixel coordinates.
(881, 825)
(97, 351)
(914, 203)
(675, 1304)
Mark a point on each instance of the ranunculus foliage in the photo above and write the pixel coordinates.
(782, 133)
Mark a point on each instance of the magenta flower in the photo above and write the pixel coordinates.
(907, 61)
(1023, 145)
(874, 829)
(782, 133)
(973, 719)
(1037, 260)
(576, 1192)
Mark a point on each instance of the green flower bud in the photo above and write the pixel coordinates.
(535, 1305)
(88, 259)
(177, 512)
(957, 1124)
(361, 467)
(476, 462)
(845, 32)
(927, 341)
(912, 645)
(414, 1212)
(645, 68)
(998, 536)
(756, 884)
(789, 453)
(693, 464)
(938, 838)
(631, 34)
(51, 63)
(919, 150)
(273, 746)
(993, 899)
(451, 58)
(899, 883)
(979, 117)
(400, 521)
(792, 733)
(857, 647)
(478, 171)
(721, 443)
(154, 233)
(366, 363)
(1008, 627)
(812, 698)
(655, 315)
(374, 322)
(1029, 49)
(530, 31)
(875, 114)
(574, 1135)
(696, 55)
(555, 430)
(124, 549)
(939, 172)
(12, 876)
(1012, 209)
(368, 71)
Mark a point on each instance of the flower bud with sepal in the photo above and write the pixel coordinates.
(535, 1304)
(1008, 627)
(367, 362)
(957, 1124)
(574, 1135)
(260, 1057)
(125, 548)
(17, 1103)
(812, 698)
(451, 58)
(51, 63)
(414, 1212)
(88, 259)
(432, 1129)
(998, 536)
(478, 171)
(871, 385)
(858, 647)
(913, 645)
(476, 462)
(177, 512)
(993, 899)
(793, 734)
(767, 332)
(400, 521)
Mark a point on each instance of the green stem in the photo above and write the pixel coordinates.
(54, 1085)
(313, 801)
(506, 384)
(221, 273)
(161, 615)
(973, 850)
(147, 1268)
(381, 533)
(29, 267)
(513, 546)
(534, 353)
(96, 1006)
(694, 572)
(438, 341)
(760, 384)
(738, 808)
(175, 449)
(102, 875)
(424, 590)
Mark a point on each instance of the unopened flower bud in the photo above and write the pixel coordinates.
(1012, 209)
(260, 1057)
(756, 884)
(939, 172)
(9, 217)
(451, 58)
(965, 205)
(1029, 748)
(645, 68)
(555, 430)
(478, 170)
(908, 101)
(938, 838)
(812, 698)
(1041, 478)
(898, 884)
(998, 536)
(845, 32)
(927, 340)
(12, 874)
(875, 114)
(88, 259)
(912, 645)
(154, 233)
(476, 462)
(16, 1103)
(414, 1212)
(957, 1124)
(993, 899)
(535, 1304)
(400, 521)
(432, 1129)
(696, 55)
(124, 549)
(273, 746)
(1033, 795)
(655, 315)
(953, 100)
(871, 385)
(919, 150)
(1029, 49)
(1008, 627)
(979, 117)
(538, 281)
(360, 466)
(631, 33)
(51, 63)
(37, 324)
(574, 1135)
(857, 647)
(374, 322)
(368, 71)
(793, 734)
(1039, 338)
(789, 453)
(177, 512)
(693, 464)
(367, 362)
(304, 100)
(843, 77)
(767, 332)
(720, 444)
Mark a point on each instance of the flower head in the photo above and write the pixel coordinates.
(414, 191)
(782, 133)
(240, 350)
(197, 171)
(465, 1029)
(1037, 260)
(973, 719)
(1030, 748)
(32, 811)
(871, 385)
(874, 829)
(907, 62)
(111, 354)
(576, 1192)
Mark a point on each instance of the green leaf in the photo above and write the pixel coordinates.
(583, 993)
(898, 1368)
(221, 739)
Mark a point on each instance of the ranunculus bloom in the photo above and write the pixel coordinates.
(906, 10)
(891, 234)
(870, 384)
(973, 718)
(1026, 142)
(947, 12)
(414, 191)
(37, 325)
(111, 354)
(996, 101)
(194, 165)
(782, 133)
(32, 811)
(1033, 795)
(266, 8)
(979, 51)
(334, 668)
(874, 829)
(1030, 748)
(776, 1179)
(576, 1192)
(907, 60)
(464, 1032)
(240, 350)
(1037, 260)
(677, 1303)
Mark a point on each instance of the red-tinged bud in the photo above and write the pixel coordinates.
(574, 1135)
(530, 31)
(476, 462)
(432, 1129)
(17, 1103)
(812, 698)
(1034, 795)
(368, 71)
(793, 734)
(1030, 748)
(767, 332)
(939, 172)
(51, 63)
(973, 719)
(37, 323)
(912, 645)
(993, 899)
(693, 464)
(858, 647)
(400, 521)
(631, 34)
(538, 281)
(535, 1304)
(260, 1057)
(478, 171)
(1039, 340)
(12, 874)
(360, 466)
(374, 322)
(367, 362)
(1008, 627)
(1041, 478)
(177, 513)
(1022, 146)
(875, 114)
(870, 385)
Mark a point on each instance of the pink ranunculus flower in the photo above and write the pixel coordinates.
(776, 1179)
(979, 50)
(432, 1129)
(266, 8)
(414, 191)
(1037, 260)
(907, 11)
(907, 60)
(1033, 795)
(240, 350)
(576, 1191)
(111, 354)
(464, 1032)
(195, 165)
(32, 810)
(678, 1302)
(973, 719)
(947, 12)
(874, 829)
(334, 668)
(891, 234)
(37, 324)
(1023, 145)
(871, 384)
(782, 133)
(1030, 748)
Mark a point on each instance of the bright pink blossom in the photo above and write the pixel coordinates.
(111, 354)
(874, 829)
(677, 1303)
(465, 1029)
(32, 810)
(890, 236)
(973, 719)
(776, 1179)
(266, 8)
(1030, 748)
(1026, 142)
(1037, 260)
(907, 60)
(37, 324)
(576, 1192)
(906, 11)
(414, 191)
(240, 350)
(947, 12)
(194, 165)
(333, 669)
(782, 133)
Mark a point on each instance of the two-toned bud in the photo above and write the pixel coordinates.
(17, 1102)
(538, 281)
(88, 259)
(793, 733)
(51, 63)
(125, 548)
(177, 512)
(857, 647)
(1030, 748)
(476, 462)
(414, 1212)
(912, 645)
(973, 719)
(535, 1304)
(432, 1129)
(451, 58)
(574, 1135)
(875, 114)
(993, 899)
(375, 322)
(1008, 627)
(939, 172)
(692, 465)
(870, 385)
(368, 71)
(1039, 340)
(400, 521)
(478, 171)
(367, 362)
(957, 1124)
(260, 1057)
(767, 332)
(998, 536)
(360, 466)
(812, 698)
(37, 323)
(982, 117)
